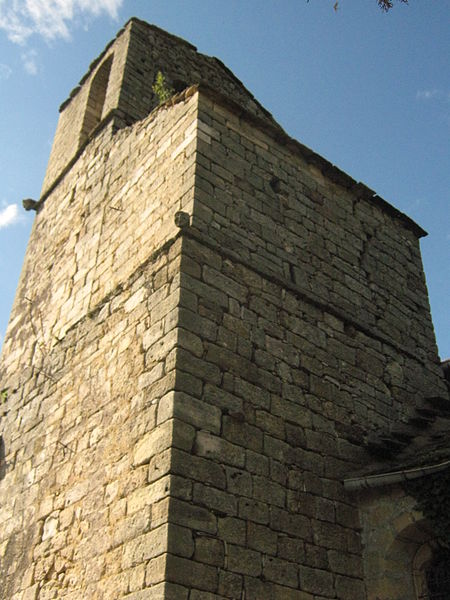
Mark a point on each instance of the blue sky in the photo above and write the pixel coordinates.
(367, 90)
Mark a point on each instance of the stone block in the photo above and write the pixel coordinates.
(217, 280)
(316, 557)
(210, 551)
(230, 585)
(201, 368)
(242, 434)
(215, 500)
(50, 526)
(153, 443)
(253, 510)
(160, 512)
(145, 547)
(130, 527)
(284, 593)
(31, 593)
(292, 524)
(232, 530)
(350, 588)
(281, 571)
(244, 561)
(218, 449)
(190, 410)
(155, 572)
(345, 563)
(239, 482)
(256, 463)
(268, 491)
(262, 538)
(189, 341)
(198, 469)
(159, 465)
(180, 541)
(191, 573)
(192, 516)
(136, 578)
(148, 495)
(316, 581)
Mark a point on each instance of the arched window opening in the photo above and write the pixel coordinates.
(96, 100)
(432, 572)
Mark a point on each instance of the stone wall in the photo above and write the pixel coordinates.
(262, 496)
(87, 354)
(78, 519)
(341, 254)
(103, 221)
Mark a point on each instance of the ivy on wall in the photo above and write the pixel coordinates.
(433, 500)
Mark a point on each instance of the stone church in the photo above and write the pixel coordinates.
(220, 378)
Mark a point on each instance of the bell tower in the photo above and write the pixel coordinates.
(118, 88)
(212, 324)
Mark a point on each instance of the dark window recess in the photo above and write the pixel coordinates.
(96, 100)
(438, 578)
(179, 85)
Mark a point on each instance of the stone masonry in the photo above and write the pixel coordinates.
(210, 324)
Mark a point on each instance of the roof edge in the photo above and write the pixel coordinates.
(153, 27)
(393, 477)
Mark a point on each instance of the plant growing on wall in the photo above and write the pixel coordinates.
(433, 500)
(161, 88)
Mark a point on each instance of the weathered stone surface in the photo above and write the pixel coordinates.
(145, 547)
(209, 324)
(153, 443)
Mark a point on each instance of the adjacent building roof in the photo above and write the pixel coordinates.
(420, 447)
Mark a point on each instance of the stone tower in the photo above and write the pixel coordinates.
(214, 327)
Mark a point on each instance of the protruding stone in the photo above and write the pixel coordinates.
(182, 219)
(30, 204)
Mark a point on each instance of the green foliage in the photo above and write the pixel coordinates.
(161, 89)
(383, 4)
(387, 4)
(433, 500)
(4, 395)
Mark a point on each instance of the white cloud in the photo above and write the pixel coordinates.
(5, 71)
(29, 62)
(427, 94)
(9, 215)
(49, 18)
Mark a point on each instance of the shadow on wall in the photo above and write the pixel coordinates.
(2, 458)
